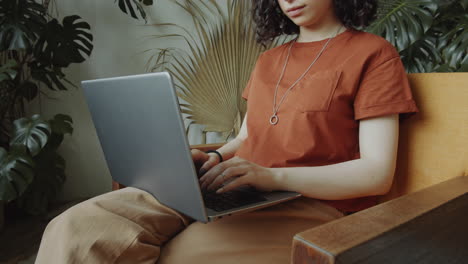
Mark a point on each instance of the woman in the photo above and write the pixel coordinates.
(322, 120)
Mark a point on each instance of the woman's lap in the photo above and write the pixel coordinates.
(130, 226)
(263, 236)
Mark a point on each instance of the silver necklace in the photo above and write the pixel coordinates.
(274, 118)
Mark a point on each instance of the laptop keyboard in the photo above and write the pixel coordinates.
(232, 199)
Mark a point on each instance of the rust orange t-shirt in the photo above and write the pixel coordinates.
(359, 75)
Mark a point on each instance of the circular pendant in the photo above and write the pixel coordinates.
(274, 119)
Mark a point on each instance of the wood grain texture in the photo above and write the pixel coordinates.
(303, 252)
(438, 236)
(206, 147)
(340, 236)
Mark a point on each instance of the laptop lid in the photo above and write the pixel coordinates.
(141, 132)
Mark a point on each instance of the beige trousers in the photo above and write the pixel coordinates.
(131, 226)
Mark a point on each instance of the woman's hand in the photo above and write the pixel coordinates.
(203, 161)
(239, 172)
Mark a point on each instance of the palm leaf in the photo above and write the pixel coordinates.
(214, 71)
(403, 22)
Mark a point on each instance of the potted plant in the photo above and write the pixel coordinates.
(34, 50)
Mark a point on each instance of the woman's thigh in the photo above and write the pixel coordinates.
(125, 226)
(263, 236)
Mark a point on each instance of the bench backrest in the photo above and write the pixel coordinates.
(433, 144)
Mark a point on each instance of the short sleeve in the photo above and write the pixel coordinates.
(384, 90)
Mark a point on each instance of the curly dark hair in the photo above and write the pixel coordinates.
(271, 22)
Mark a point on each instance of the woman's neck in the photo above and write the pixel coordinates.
(325, 30)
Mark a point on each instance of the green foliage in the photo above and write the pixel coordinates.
(33, 133)
(20, 24)
(431, 35)
(16, 172)
(8, 71)
(403, 22)
(37, 48)
(33, 172)
(129, 6)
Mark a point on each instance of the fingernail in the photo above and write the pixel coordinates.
(220, 190)
(202, 171)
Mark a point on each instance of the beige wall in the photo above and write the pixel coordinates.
(118, 43)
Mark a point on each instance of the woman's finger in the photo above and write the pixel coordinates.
(210, 163)
(240, 181)
(211, 174)
(227, 175)
(199, 158)
(207, 179)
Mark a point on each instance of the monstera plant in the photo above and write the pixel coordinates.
(35, 48)
(32, 172)
(431, 35)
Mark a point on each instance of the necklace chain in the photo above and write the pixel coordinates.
(274, 118)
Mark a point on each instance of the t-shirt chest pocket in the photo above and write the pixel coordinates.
(315, 91)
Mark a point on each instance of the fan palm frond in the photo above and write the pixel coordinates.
(212, 74)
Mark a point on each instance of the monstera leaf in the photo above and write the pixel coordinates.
(455, 45)
(16, 172)
(20, 21)
(403, 22)
(58, 47)
(49, 171)
(60, 125)
(48, 180)
(129, 6)
(31, 132)
(51, 76)
(8, 71)
(61, 45)
(423, 55)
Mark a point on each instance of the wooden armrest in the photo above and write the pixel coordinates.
(203, 147)
(403, 228)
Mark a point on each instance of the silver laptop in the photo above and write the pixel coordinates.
(142, 134)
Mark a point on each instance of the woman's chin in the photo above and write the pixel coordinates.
(301, 21)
